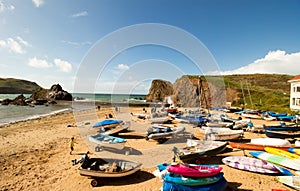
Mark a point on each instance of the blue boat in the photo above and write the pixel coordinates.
(282, 134)
(273, 114)
(108, 123)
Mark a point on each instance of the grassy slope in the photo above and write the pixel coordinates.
(267, 91)
(17, 86)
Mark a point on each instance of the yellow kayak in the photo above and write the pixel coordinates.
(281, 152)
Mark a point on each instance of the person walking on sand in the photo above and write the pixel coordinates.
(71, 144)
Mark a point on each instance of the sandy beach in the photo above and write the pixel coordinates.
(35, 155)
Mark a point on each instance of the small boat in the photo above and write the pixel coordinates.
(271, 142)
(97, 168)
(273, 114)
(280, 160)
(163, 133)
(251, 115)
(196, 171)
(257, 147)
(287, 118)
(218, 134)
(196, 149)
(108, 123)
(120, 128)
(103, 140)
(254, 165)
(282, 134)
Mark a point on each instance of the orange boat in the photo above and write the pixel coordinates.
(256, 147)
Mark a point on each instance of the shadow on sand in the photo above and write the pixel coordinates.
(234, 186)
(138, 177)
(125, 151)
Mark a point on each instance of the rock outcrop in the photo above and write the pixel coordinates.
(189, 91)
(56, 92)
(159, 90)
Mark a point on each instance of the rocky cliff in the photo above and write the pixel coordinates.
(193, 91)
(56, 92)
(40, 97)
(159, 90)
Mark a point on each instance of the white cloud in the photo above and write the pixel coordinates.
(14, 45)
(277, 61)
(62, 65)
(38, 3)
(22, 41)
(80, 14)
(123, 67)
(38, 63)
(4, 7)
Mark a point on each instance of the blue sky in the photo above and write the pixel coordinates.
(50, 41)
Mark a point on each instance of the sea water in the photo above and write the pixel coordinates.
(13, 113)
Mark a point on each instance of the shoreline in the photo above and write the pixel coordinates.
(91, 105)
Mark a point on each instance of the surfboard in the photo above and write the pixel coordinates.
(292, 181)
(254, 165)
(281, 152)
(294, 150)
(188, 181)
(280, 160)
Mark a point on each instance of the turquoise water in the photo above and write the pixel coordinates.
(111, 98)
(12, 113)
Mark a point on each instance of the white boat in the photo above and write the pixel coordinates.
(218, 134)
(103, 140)
(122, 127)
(165, 132)
(199, 148)
(271, 142)
(97, 168)
(251, 116)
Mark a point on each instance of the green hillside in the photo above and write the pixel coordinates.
(254, 91)
(17, 86)
(261, 91)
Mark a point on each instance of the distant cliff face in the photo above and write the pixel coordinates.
(159, 90)
(189, 91)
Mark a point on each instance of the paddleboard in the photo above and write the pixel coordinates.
(280, 160)
(292, 181)
(281, 152)
(294, 150)
(188, 181)
(254, 165)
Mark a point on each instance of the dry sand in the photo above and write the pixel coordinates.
(34, 155)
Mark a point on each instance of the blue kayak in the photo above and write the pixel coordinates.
(189, 181)
(221, 185)
(108, 122)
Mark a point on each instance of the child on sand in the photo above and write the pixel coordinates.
(71, 145)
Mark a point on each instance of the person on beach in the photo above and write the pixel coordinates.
(71, 143)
